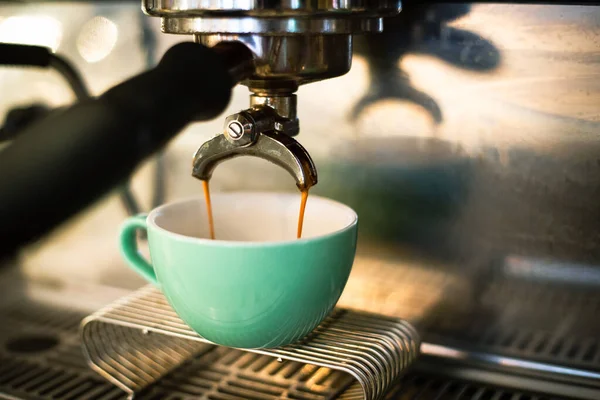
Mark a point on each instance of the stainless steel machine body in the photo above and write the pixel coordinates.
(294, 43)
(464, 135)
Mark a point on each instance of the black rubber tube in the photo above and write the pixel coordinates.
(66, 161)
(22, 55)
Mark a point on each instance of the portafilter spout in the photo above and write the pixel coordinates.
(260, 132)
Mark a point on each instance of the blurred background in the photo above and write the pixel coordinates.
(466, 136)
(462, 134)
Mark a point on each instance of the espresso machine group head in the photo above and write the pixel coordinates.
(293, 42)
(95, 145)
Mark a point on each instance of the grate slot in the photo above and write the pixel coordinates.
(542, 345)
(39, 383)
(291, 369)
(338, 380)
(256, 386)
(225, 396)
(231, 357)
(6, 364)
(260, 364)
(23, 379)
(556, 346)
(208, 375)
(108, 392)
(508, 339)
(15, 372)
(470, 391)
(87, 388)
(201, 382)
(490, 338)
(571, 349)
(202, 376)
(311, 390)
(306, 372)
(479, 393)
(273, 367)
(114, 394)
(244, 393)
(191, 389)
(245, 360)
(523, 340)
(304, 396)
(591, 354)
(451, 389)
(321, 376)
(156, 396)
(537, 340)
(57, 383)
(62, 392)
(261, 380)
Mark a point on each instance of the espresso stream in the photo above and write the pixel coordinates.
(211, 224)
(304, 194)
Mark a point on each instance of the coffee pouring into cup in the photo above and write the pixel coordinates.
(260, 132)
(256, 285)
(249, 270)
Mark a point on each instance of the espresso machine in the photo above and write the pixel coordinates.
(464, 135)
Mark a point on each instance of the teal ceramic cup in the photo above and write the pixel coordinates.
(256, 285)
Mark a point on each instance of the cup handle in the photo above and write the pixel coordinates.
(129, 247)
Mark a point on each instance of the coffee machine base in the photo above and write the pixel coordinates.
(41, 355)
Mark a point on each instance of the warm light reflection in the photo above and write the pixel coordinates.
(97, 39)
(382, 284)
(33, 30)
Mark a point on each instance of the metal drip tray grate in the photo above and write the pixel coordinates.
(140, 339)
(555, 325)
(223, 373)
(57, 370)
(230, 374)
(431, 387)
(41, 358)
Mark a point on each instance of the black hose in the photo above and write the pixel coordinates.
(63, 163)
(71, 75)
(37, 56)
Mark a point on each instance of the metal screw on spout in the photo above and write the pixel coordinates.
(240, 130)
(235, 130)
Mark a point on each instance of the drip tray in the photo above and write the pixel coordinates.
(222, 373)
(54, 368)
(551, 324)
(137, 340)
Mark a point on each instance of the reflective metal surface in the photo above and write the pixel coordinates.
(41, 359)
(286, 8)
(374, 350)
(285, 105)
(291, 60)
(466, 139)
(259, 132)
(294, 41)
(271, 26)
